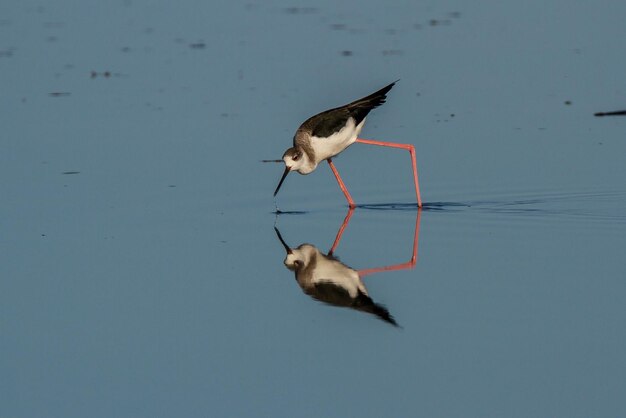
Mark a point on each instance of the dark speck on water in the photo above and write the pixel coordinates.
(197, 45)
(6, 53)
(568, 102)
(615, 113)
(289, 212)
(105, 74)
(337, 26)
(346, 53)
(300, 10)
(70, 172)
(59, 94)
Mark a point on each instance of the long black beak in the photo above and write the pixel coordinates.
(280, 183)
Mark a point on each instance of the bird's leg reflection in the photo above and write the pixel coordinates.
(346, 220)
(325, 278)
(401, 266)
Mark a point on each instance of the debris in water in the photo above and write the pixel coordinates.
(615, 113)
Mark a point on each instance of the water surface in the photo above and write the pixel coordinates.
(140, 272)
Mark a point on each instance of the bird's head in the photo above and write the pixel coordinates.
(294, 160)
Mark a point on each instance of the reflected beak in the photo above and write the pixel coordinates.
(282, 241)
(280, 183)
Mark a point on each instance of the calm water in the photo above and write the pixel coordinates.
(140, 271)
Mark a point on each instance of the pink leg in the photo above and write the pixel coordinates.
(408, 147)
(344, 189)
(409, 264)
(340, 232)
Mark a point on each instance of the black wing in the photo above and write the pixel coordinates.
(334, 294)
(327, 123)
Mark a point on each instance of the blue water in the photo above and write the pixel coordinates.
(140, 274)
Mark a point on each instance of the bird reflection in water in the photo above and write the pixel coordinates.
(325, 278)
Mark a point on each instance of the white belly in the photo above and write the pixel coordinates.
(337, 142)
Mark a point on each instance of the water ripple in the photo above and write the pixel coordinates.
(595, 205)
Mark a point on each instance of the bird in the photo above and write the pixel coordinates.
(327, 134)
(323, 277)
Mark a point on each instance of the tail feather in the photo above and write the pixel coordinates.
(365, 304)
(359, 109)
(375, 99)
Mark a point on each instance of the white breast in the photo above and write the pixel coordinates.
(337, 142)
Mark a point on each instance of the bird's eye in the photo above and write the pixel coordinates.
(296, 157)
